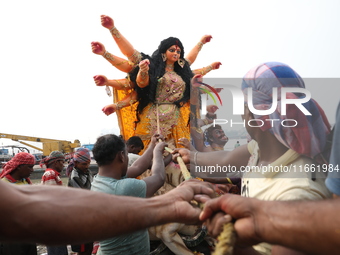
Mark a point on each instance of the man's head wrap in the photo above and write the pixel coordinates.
(54, 156)
(21, 158)
(309, 136)
(81, 155)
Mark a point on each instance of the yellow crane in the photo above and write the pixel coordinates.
(49, 145)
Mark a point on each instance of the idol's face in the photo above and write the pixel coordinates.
(173, 53)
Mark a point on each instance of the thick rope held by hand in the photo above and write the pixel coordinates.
(227, 238)
(186, 174)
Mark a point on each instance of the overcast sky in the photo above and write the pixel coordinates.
(47, 66)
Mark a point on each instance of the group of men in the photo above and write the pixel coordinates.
(119, 208)
(116, 176)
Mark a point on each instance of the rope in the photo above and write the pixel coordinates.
(227, 238)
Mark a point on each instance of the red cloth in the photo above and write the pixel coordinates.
(22, 158)
(51, 177)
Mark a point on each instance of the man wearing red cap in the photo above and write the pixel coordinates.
(17, 171)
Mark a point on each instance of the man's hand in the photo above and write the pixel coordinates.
(223, 209)
(156, 138)
(184, 142)
(181, 197)
(181, 152)
(160, 147)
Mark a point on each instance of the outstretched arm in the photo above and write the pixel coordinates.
(27, 212)
(203, 71)
(307, 226)
(126, 101)
(120, 63)
(124, 45)
(192, 55)
(157, 178)
(235, 159)
(101, 80)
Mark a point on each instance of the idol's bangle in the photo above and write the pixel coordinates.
(120, 105)
(108, 56)
(122, 85)
(114, 32)
(209, 68)
(132, 101)
(206, 69)
(143, 74)
(200, 45)
(135, 58)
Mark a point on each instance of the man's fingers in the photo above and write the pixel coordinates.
(202, 198)
(215, 224)
(212, 206)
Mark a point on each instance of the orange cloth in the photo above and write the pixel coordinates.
(126, 116)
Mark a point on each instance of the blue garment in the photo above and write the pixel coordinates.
(333, 178)
(134, 243)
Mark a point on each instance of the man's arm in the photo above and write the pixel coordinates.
(237, 158)
(27, 210)
(308, 226)
(157, 178)
(144, 162)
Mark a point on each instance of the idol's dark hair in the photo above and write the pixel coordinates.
(106, 148)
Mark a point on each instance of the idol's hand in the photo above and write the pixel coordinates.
(205, 39)
(100, 80)
(109, 109)
(98, 48)
(144, 65)
(107, 21)
(216, 65)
